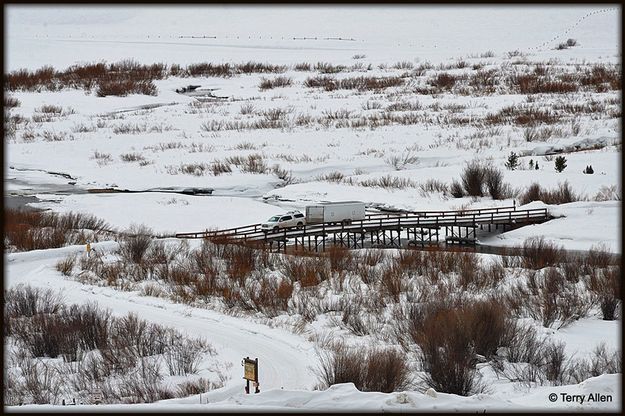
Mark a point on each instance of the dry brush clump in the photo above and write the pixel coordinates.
(124, 77)
(389, 182)
(121, 78)
(538, 253)
(361, 83)
(36, 230)
(605, 283)
(308, 271)
(370, 369)
(135, 243)
(563, 194)
(277, 82)
(548, 298)
(522, 116)
(119, 356)
(478, 178)
(445, 337)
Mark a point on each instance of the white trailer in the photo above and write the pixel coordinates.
(335, 212)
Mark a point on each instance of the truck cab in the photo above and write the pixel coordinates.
(289, 220)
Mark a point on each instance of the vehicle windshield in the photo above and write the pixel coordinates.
(274, 219)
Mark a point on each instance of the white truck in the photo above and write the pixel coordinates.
(335, 212)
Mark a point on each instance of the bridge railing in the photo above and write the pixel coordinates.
(445, 218)
(477, 211)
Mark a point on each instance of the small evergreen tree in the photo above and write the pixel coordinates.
(536, 165)
(531, 163)
(513, 161)
(560, 163)
(589, 170)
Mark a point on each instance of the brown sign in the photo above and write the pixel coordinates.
(250, 370)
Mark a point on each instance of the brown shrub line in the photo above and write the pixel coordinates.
(96, 348)
(35, 230)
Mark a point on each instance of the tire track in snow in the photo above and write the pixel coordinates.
(285, 359)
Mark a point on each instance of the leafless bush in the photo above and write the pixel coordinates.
(371, 370)
(494, 183)
(194, 387)
(247, 109)
(389, 182)
(65, 333)
(182, 357)
(143, 385)
(443, 81)
(307, 271)
(66, 265)
(129, 128)
(195, 169)
(368, 83)
(340, 258)
(473, 177)
(42, 382)
(254, 163)
(399, 162)
(218, 167)
(96, 348)
(123, 87)
(303, 66)
(608, 193)
(33, 230)
(240, 261)
(286, 176)
(328, 68)
(50, 109)
(539, 253)
(456, 190)
(11, 102)
(131, 157)
(392, 281)
(103, 158)
(267, 84)
(245, 146)
(550, 299)
(340, 114)
(563, 194)
(334, 176)
(605, 283)
(494, 273)
(251, 67)
(447, 353)
(603, 362)
(523, 116)
(52, 136)
(135, 243)
(470, 272)
(372, 105)
(487, 322)
(27, 301)
(523, 344)
(327, 83)
(373, 257)
(556, 365)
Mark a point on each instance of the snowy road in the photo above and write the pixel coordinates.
(285, 360)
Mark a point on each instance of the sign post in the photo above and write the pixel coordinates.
(250, 373)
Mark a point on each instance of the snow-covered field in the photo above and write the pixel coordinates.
(266, 151)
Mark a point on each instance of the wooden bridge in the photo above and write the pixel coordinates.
(417, 228)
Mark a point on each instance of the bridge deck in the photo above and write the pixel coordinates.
(383, 222)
